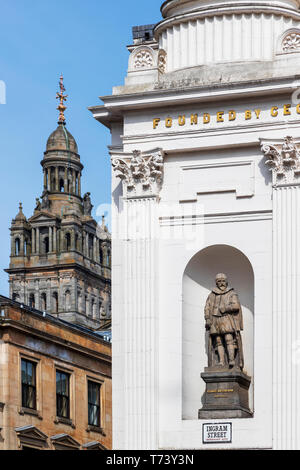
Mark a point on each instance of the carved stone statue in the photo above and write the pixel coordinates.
(227, 385)
(38, 204)
(45, 200)
(224, 322)
(87, 204)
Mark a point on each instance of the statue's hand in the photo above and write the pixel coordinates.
(208, 324)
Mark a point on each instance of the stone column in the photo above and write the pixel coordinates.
(75, 296)
(54, 239)
(95, 248)
(73, 181)
(104, 255)
(72, 240)
(86, 244)
(12, 246)
(79, 184)
(56, 179)
(50, 240)
(45, 179)
(22, 244)
(37, 241)
(284, 159)
(66, 180)
(49, 179)
(136, 338)
(37, 295)
(33, 249)
(62, 241)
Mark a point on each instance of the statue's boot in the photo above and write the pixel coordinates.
(231, 348)
(221, 353)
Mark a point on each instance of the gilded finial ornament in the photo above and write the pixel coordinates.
(62, 98)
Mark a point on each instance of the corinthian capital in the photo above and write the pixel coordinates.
(141, 172)
(283, 158)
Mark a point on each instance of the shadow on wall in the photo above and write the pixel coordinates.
(198, 281)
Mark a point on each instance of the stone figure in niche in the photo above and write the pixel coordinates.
(227, 385)
(224, 323)
(87, 204)
(45, 200)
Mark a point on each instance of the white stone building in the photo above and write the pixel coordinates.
(208, 102)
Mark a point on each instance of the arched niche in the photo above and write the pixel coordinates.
(198, 280)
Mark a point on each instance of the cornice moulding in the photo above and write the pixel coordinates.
(115, 105)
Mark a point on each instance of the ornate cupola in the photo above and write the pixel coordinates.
(60, 257)
(61, 165)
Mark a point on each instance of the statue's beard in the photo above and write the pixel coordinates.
(222, 287)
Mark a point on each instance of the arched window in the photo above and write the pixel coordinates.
(91, 246)
(69, 181)
(32, 301)
(52, 181)
(68, 241)
(100, 255)
(55, 302)
(17, 246)
(61, 185)
(43, 302)
(46, 245)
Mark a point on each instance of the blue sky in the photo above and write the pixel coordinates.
(39, 40)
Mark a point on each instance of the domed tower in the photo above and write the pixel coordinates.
(60, 257)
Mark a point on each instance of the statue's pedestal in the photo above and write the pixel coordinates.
(226, 394)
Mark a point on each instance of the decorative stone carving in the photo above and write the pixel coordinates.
(45, 200)
(143, 59)
(162, 61)
(284, 160)
(291, 42)
(183, 83)
(142, 173)
(87, 204)
(38, 204)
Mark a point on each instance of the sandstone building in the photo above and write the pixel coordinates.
(55, 383)
(60, 257)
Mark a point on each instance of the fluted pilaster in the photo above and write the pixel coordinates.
(142, 178)
(284, 159)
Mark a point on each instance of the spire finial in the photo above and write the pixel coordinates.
(62, 98)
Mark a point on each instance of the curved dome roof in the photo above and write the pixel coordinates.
(61, 139)
(20, 217)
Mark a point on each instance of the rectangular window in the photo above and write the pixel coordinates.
(28, 369)
(62, 394)
(94, 403)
